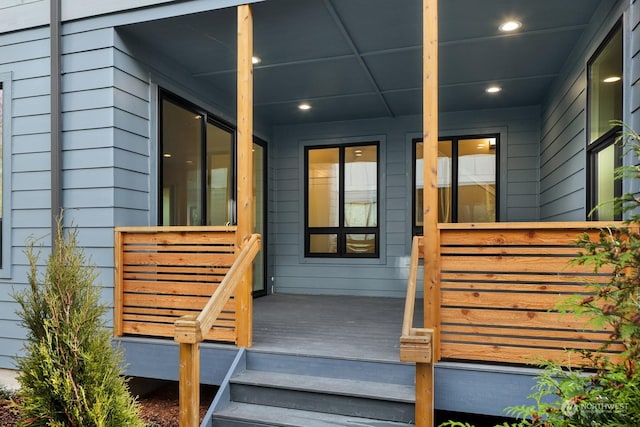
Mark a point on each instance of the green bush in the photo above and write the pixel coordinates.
(70, 373)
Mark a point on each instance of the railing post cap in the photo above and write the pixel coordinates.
(187, 330)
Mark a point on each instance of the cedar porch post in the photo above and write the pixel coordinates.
(244, 302)
(424, 372)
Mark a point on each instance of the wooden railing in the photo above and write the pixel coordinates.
(190, 330)
(416, 344)
(499, 285)
(182, 282)
(164, 273)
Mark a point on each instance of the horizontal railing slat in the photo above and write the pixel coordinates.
(170, 288)
(500, 284)
(510, 264)
(181, 259)
(162, 330)
(506, 354)
(525, 343)
(548, 237)
(570, 334)
(509, 300)
(132, 270)
(167, 273)
(532, 277)
(564, 251)
(524, 288)
(530, 318)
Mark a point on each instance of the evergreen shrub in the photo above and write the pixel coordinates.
(70, 374)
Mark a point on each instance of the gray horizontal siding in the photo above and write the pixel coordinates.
(563, 156)
(25, 56)
(106, 141)
(387, 276)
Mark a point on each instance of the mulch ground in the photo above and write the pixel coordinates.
(159, 408)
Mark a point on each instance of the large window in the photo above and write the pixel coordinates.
(467, 185)
(604, 98)
(341, 196)
(196, 166)
(2, 257)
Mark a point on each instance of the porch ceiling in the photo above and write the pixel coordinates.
(355, 59)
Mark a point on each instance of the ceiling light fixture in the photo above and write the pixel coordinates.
(167, 155)
(493, 89)
(612, 79)
(510, 26)
(304, 106)
(255, 60)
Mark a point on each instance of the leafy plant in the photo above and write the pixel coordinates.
(605, 389)
(70, 373)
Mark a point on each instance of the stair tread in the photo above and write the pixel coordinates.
(285, 417)
(338, 386)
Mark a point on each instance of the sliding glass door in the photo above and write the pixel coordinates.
(197, 174)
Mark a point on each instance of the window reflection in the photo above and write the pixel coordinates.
(476, 180)
(466, 180)
(605, 87)
(181, 165)
(342, 200)
(323, 187)
(196, 167)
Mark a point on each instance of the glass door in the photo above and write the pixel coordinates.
(260, 213)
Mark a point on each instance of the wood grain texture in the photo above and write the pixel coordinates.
(501, 284)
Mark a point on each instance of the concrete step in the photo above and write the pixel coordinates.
(355, 369)
(276, 389)
(238, 414)
(368, 399)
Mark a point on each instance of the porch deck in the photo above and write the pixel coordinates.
(349, 327)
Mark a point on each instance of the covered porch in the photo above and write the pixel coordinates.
(489, 289)
(339, 326)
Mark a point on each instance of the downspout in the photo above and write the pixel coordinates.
(56, 147)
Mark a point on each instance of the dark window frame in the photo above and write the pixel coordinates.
(611, 137)
(418, 230)
(265, 248)
(341, 230)
(605, 141)
(208, 118)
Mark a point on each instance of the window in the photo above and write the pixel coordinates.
(341, 198)
(604, 99)
(5, 175)
(467, 184)
(197, 169)
(2, 256)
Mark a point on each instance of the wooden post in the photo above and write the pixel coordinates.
(189, 400)
(424, 372)
(430, 138)
(244, 301)
(424, 404)
(118, 291)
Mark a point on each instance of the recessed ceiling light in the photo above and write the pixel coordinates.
(493, 89)
(167, 155)
(255, 60)
(304, 106)
(612, 79)
(509, 26)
